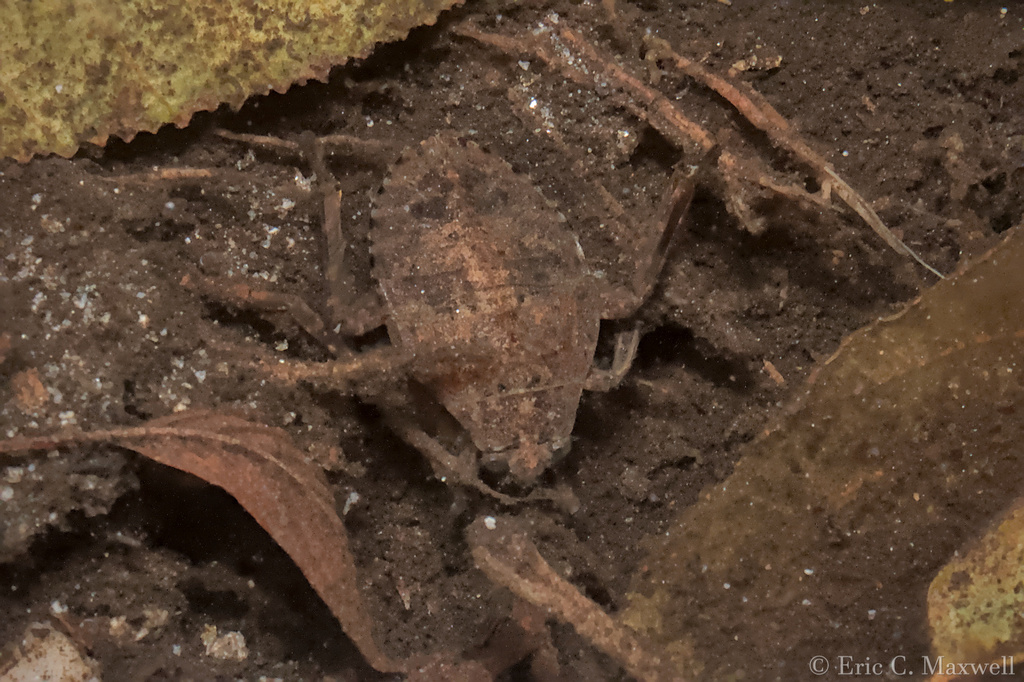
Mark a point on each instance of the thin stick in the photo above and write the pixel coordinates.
(265, 141)
(159, 174)
(580, 61)
(340, 374)
(656, 109)
(756, 109)
(507, 555)
(241, 295)
(349, 144)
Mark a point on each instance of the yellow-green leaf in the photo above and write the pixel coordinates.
(74, 71)
(976, 602)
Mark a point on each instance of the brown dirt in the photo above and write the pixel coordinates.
(916, 104)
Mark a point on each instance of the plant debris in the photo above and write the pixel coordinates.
(745, 178)
(75, 72)
(503, 550)
(906, 428)
(271, 479)
(975, 602)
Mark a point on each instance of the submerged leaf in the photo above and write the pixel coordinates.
(271, 479)
(976, 600)
(902, 445)
(82, 70)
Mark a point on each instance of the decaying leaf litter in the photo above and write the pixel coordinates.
(629, 484)
(913, 417)
(81, 72)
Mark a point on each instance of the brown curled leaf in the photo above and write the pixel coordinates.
(260, 467)
(80, 71)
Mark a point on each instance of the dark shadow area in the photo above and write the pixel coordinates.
(202, 522)
(674, 345)
(268, 332)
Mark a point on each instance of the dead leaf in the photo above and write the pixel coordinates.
(82, 70)
(975, 602)
(272, 480)
(903, 443)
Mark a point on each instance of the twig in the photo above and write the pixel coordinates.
(265, 141)
(241, 295)
(339, 374)
(508, 557)
(756, 109)
(581, 62)
(175, 174)
(340, 142)
(172, 175)
(656, 109)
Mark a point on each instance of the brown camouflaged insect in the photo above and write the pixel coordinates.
(489, 292)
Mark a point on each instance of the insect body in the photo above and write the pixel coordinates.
(489, 291)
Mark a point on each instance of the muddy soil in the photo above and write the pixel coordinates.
(917, 105)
